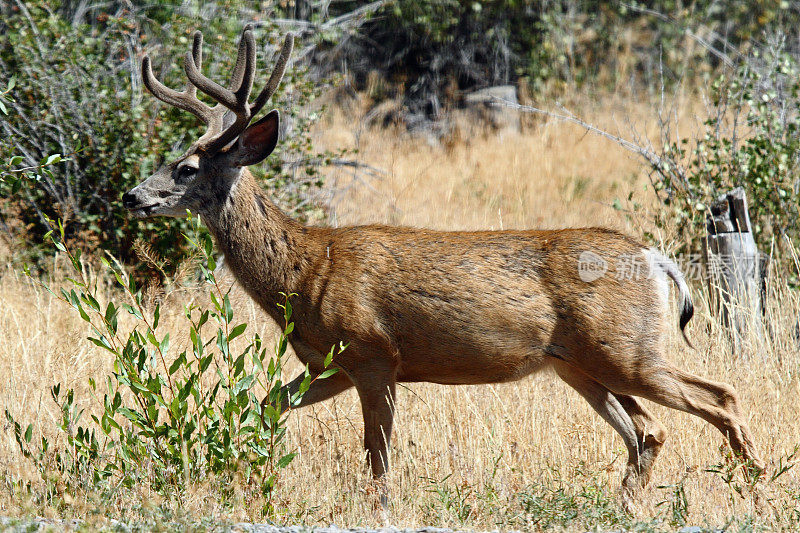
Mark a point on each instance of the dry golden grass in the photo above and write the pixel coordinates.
(517, 455)
(553, 176)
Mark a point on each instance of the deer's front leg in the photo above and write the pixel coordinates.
(376, 390)
(377, 406)
(375, 383)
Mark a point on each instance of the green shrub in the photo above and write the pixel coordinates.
(752, 140)
(165, 420)
(561, 505)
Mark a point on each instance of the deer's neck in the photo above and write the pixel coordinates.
(264, 248)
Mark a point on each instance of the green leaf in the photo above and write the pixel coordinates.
(284, 461)
(238, 365)
(203, 319)
(102, 342)
(329, 372)
(77, 305)
(176, 364)
(152, 413)
(52, 159)
(132, 287)
(111, 318)
(282, 344)
(138, 387)
(329, 357)
(287, 311)
(132, 310)
(29, 433)
(131, 415)
(244, 384)
(271, 413)
(304, 385)
(238, 330)
(186, 389)
(222, 344)
(163, 346)
(90, 300)
(216, 303)
(228, 309)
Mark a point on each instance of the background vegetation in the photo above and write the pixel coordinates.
(432, 52)
(126, 424)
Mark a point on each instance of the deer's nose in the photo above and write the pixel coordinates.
(129, 200)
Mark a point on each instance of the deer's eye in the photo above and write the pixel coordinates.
(186, 173)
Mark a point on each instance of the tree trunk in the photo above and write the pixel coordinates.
(736, 269)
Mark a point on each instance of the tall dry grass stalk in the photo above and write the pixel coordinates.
(522, 455)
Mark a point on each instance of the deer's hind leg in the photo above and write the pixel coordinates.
(650, 436)
(714, 402)
(650, 376)
(642, 433)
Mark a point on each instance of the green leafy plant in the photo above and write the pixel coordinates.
(167, 419)
(548, 507)
(676, 504)
(454, 498)
(12, 175)
(742, 478)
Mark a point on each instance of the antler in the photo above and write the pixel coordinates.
(232, 103)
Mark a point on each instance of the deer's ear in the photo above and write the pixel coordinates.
(256, 142)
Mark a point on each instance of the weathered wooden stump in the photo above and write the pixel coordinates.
(486, 105)
(736, 269)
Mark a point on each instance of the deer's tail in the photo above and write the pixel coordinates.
(685, 298)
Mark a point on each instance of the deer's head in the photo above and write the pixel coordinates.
(204, 175)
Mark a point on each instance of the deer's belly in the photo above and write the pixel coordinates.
(470, 367)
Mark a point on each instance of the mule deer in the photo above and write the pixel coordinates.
(442, 307)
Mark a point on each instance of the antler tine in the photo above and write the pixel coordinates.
(245, 62)
(197, 56)
(185, 100)
(236, 97)
(276, 77)
(249, 70)
(210, 87)
(243, 76)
